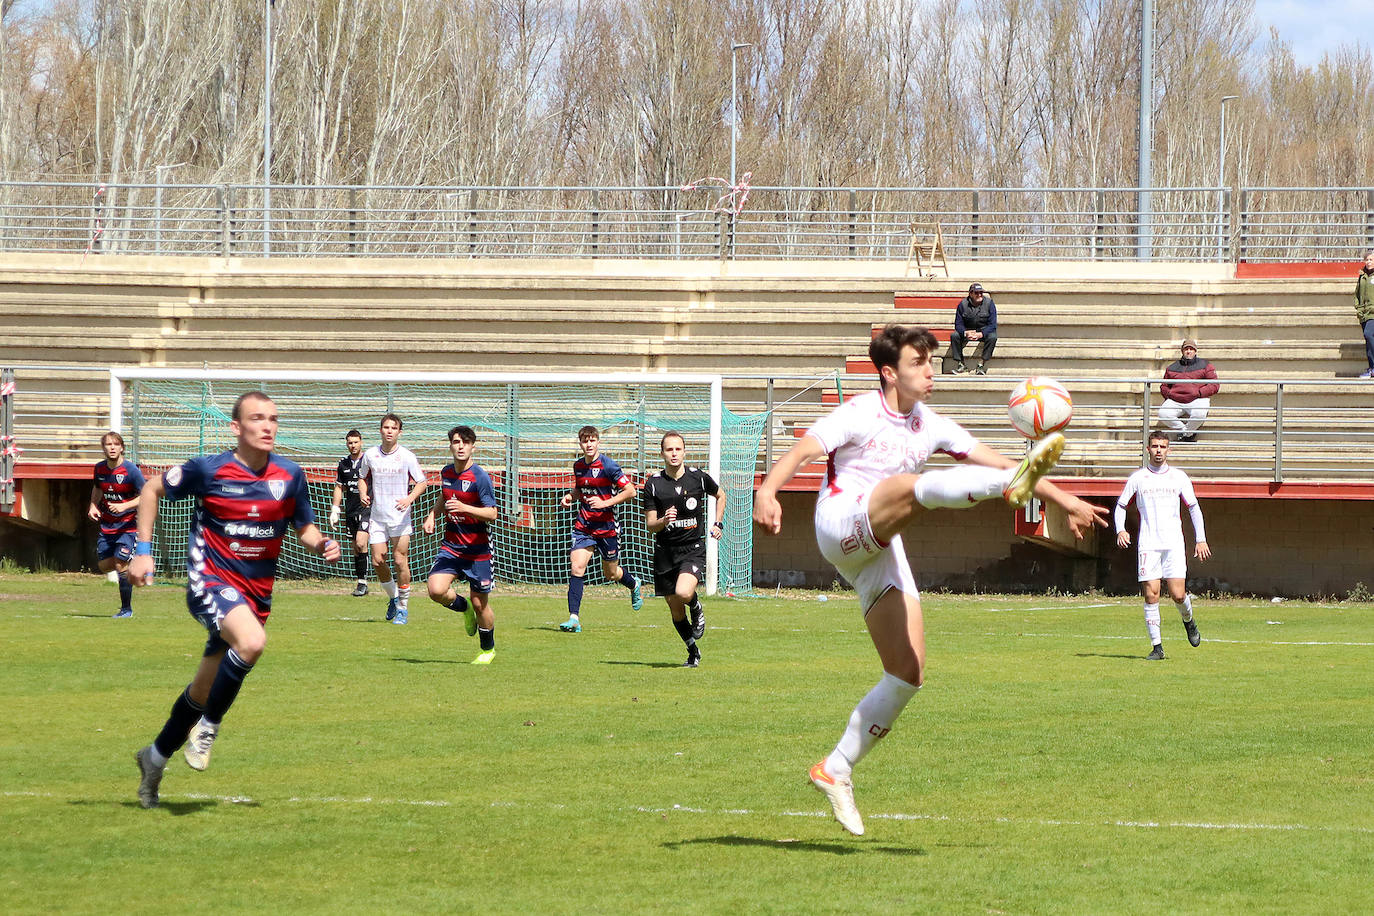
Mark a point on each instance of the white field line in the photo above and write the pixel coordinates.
(746, 812)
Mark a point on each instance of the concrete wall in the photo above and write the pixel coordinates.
(1259, 546)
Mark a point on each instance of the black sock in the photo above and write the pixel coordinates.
(459, 604)
(126, 591)
(684, 629)
(360, 567)
(695, 604)
(486, 639)
(185, 713)
(228, 680)
(575, 586)
(628, 580)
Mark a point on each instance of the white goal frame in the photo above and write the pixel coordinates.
(119, 376)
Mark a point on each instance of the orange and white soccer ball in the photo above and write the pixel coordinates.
(1039, 406)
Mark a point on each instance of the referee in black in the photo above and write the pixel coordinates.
(675, 512)
(346, 496)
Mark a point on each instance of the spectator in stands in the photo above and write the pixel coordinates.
(1185, 403)
(974, 320)
(1364, 309)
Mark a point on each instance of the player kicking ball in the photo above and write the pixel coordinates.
(675, 512)
(465, 552)
(245, 500)
(1160, 553)
(874, 488)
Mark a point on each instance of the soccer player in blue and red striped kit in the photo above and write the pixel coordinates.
(469, 504)
(599, 485)
(245, 500)
(114, 504)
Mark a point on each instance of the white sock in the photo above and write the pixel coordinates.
(871, 720)
(960, 488)
(156, 758)
(1185, 607)
(1152, 622)
(403, 595)
(389, 587)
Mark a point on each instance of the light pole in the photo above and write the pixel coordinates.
(267, 132)
(157, 204)
(735, 47)
(1221, 176)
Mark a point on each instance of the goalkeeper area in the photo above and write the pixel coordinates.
(526, 428)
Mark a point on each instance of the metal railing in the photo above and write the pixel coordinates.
(1184, 224)
(1258, 429)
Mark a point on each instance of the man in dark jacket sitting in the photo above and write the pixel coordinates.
(1185, 403)
(974, 320)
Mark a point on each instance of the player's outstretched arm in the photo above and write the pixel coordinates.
(1082, 515)
(767, 509)
(141, 566)
(313, 539)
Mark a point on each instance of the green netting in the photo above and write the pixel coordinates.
(527, 441)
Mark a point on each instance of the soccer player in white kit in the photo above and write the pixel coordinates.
(878, 444)
(384, 484)
(1157, 489)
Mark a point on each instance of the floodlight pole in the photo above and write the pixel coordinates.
(267, 132)
(1221, 177)
(735, 47)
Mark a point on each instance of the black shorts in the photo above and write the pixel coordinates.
(357, 519)
(670, 561)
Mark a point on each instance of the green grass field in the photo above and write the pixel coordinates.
(1045, 768)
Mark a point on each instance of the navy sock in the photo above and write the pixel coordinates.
(459, 604)
(628, 579)
(486, 639)
(360, 566)
(684, 629)
(228, 680)
(126, 591)
(185, 713)
(575, 584)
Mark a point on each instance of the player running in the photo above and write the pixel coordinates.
(877, 445)
(245, 500)
(1160, 553)
(114, 504)
(675, 512)
(465, 552)
(599, 485)
(387, 472)
(354, 512)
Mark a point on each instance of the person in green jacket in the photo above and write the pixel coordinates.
(1364, 309)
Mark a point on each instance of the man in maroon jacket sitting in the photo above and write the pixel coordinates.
(1186, 402)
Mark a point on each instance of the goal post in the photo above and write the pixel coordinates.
(526, 426)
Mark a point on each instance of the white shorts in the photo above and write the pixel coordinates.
(1161, 564)
(846, 540)
(379, 532)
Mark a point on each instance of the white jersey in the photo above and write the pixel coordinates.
(867, 442)
(1157, 494)
(389, 477)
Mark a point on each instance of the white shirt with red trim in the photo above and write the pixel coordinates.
(867, 442)
(1157, 494)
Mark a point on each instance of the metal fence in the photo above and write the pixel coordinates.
(1182, 224)
(1260, 430)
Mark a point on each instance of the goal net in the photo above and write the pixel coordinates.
(526, 428)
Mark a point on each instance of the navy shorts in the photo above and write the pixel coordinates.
(477, 573)
(210, 600)
(608, 547)
(119, 546)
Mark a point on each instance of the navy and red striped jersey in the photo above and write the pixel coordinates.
(599, 477)
(240, 519)
(117, 485)
(464, 536)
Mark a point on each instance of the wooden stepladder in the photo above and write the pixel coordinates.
(927, 249)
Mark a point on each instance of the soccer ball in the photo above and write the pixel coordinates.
(1039, 406)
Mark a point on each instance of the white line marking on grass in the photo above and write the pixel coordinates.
(1236, 642)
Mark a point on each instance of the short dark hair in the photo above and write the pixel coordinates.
(462, 432)
(390, 416)
(588, 432)
(886, 346)
(112, 435)
(246, 396)
(1157, 434)
(671, 434)
(352, 433)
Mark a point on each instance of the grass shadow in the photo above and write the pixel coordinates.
(1133, 658)
(174, 808)
(427, 661)
(609, 661)
(110, 616)
(830, 847)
